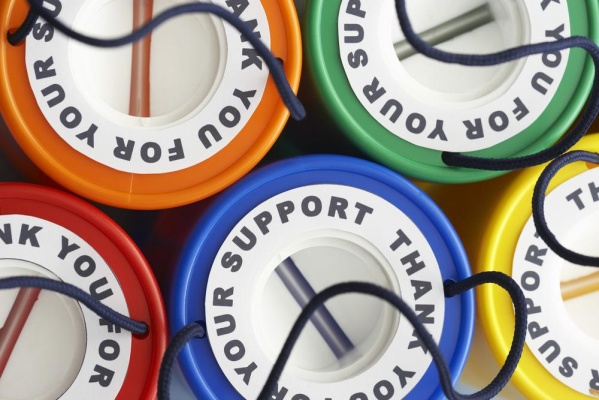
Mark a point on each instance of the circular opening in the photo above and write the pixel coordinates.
(49, 350)
(471, 27)
(351, 332)
(166, 77)
(580, 285)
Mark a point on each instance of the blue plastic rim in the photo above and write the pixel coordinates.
(188, 292)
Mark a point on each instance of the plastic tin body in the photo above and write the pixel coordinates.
(494, 221)
(106, 184)
(100, 258)
(498, 249)
(331, 178)
(324, 65)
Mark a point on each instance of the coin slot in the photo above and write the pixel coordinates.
(165, 78)
(50, 349)
(579, 285)
(351, 332)
(470, 27)
(460, 25)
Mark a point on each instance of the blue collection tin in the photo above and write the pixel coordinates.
(327, 219)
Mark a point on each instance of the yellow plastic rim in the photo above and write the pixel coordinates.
(496, 314)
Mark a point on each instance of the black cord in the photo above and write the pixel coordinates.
(538, 206)
(520, 324)
(452, 289)
(116, 318)
(188, 332)
(22, 31)
(444, 375)
(295, 107)
(504, 164)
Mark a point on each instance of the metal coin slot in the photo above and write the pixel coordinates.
(465, 23)
(322, 319)
(15, 321)
(164, 78)
(42, 336)
(139, 100)
(348, 334)
(577, 287)
(471, 27)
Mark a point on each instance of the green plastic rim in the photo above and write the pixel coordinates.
(341, 104)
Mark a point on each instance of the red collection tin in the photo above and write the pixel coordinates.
(71, 352)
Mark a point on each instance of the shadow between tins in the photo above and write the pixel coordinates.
(326, 71)
(188, 292)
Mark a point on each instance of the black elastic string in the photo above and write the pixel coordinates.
(452, 289)
(116, 318)
(295, 107)
(22, 31)
(188, 332)
(491, 390)
(501, 164)
(538, 206)
(520, 324)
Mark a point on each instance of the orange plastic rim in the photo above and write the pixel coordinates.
(106, 185)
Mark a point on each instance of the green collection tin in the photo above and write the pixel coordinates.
(337, 35)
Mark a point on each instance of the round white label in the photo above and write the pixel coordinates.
(449, 107)
(562, 296)
(204, 81)
(302, 241)
(89, 356)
